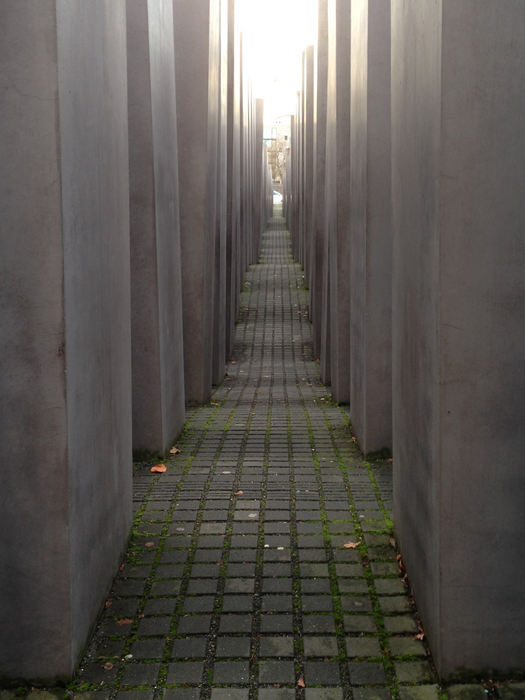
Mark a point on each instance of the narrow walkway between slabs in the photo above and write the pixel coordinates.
(242, 579)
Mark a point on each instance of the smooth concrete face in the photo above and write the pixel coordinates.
(337, 194)
(459, 333)
(370, 227)
(259, 213)
(318, 271)
(233, 232)
(197, 63)
(219, 296)
(65, 427)
(156, 294)
(308, 170)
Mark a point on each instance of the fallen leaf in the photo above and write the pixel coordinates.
(124, 621)
(276, 685)
(420, 637)
(149, 544)
(238, 493)
(108, 603)
(301, 683)
(174, 451)
(108, 666)
(351, 545)
(389, 460)
(159, 469)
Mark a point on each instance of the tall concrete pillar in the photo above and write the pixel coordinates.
(308, 167)
(233, 230)
(337, 195)
(219, 296)
(156, 294)
(370, 227)
(458, 129)
(258, 179)
(317, 309)
(197, 63)
(65, 360)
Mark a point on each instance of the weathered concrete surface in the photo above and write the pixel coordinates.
(317, 310)
(370, 227)
(156, 294)
(65, 365)
(308, 165)
(219, 295)
(233, 229)
(197, 63)
(459, 324)
(337, 195)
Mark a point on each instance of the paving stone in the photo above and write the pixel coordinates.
(183, 672)
(181, 694)
(198, 604)
(389, 586)
(189, 648)
(371, 694)
(360, 623)
(320, 646)
(422, 692)
(277, 603)
(508, 691)
(229, 694)
(318, 624)
(400, 646)
(276, 672)
(171, 588)
(277, 585)
(154, 626)
(148, 649)
(366, 673)
(276, 646)
(413, 672)
(194, 624)
(317, 603)
(276, 623)
(135, 695)
(400, 624)
(322, 673)
(324, 694)
(108, 648)
(239, 585)
(235, 624)
(394, 604)
(235, 647)
(277, 694)
(236, 672)
(237, 603)
(466, 692)
(140, 674)
(362, 646)
(356, 604)
(197, 587)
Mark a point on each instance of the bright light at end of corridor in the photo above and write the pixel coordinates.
(276, 32)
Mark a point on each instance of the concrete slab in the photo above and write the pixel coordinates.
(65, 362)
(370, 227)
(156, 294)
(197, 63)
(459, 333)
(337, 195)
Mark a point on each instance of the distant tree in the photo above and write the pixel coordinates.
(277, 158)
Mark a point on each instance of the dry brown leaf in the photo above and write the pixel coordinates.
(159, 469)
(420, 637)
(174, 451)
(124, 621)
(108, 666)
(390, 460)
(239, 493)
(301, 683)
(351, 545)
(149, 544)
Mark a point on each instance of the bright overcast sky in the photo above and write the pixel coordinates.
(276, 32)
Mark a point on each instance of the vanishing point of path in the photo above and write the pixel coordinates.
(237, 583)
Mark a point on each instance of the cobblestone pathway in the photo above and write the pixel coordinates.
(240, 581)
